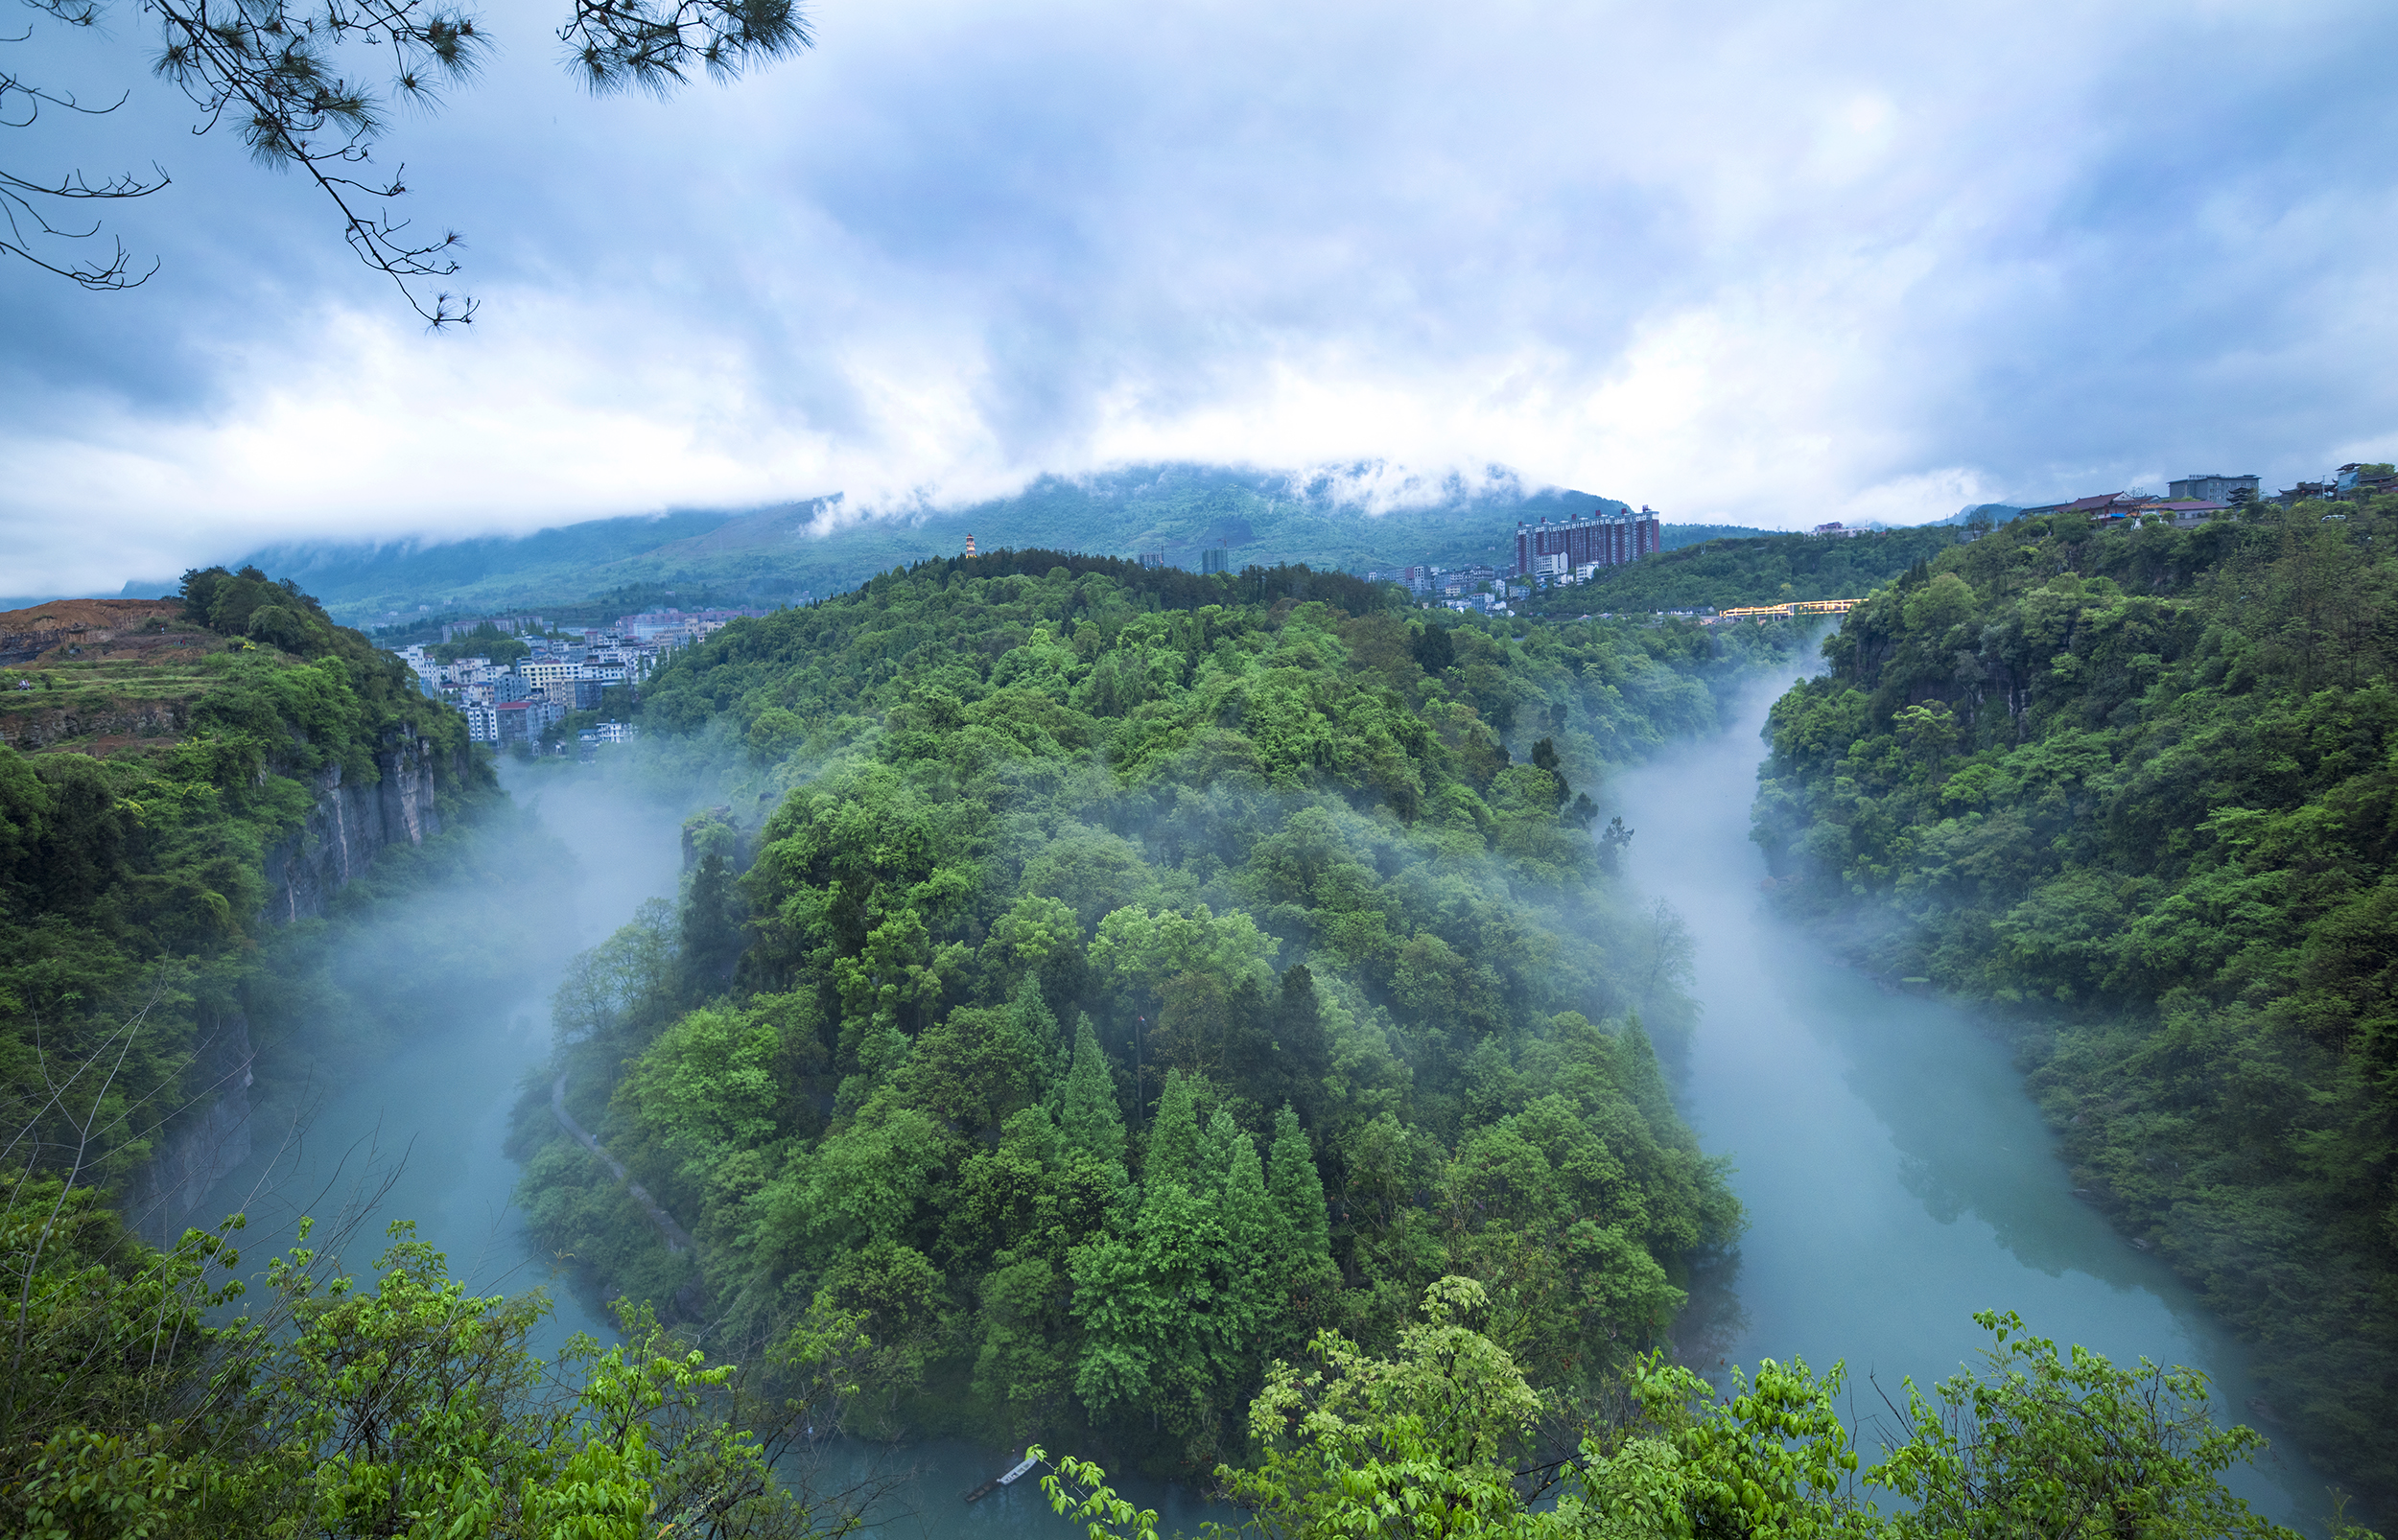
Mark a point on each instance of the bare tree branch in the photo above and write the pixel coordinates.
(30, 234)
(291, 81)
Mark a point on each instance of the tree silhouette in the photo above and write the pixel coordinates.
(293, 81)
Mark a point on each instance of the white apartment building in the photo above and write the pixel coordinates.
(546, 674)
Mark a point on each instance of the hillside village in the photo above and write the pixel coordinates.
(530, 678)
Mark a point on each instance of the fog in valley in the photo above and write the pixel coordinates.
(1895, 1175)
(405, 1116)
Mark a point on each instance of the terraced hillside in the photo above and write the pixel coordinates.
(101, 676)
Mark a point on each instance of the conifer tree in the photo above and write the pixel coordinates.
(1088, 1115)
(1300, 1231)
(1173, 1157)
(1216, 1151)
(1248, 1270)
(1305, 1279)
(1249, 1217)
(1037, 1029)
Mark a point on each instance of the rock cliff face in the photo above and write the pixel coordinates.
(196, 1153)
(339, 840)
(348, 825)
(32, 730)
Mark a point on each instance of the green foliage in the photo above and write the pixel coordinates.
(2069, 1446)
(1449, 1438)
(2141, 779)
(1759, 570)
(135, 1402)
(1422, 1444)
(1349, 992)
(486, 641)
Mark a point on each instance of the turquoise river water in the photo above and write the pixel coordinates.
(1897, 1174)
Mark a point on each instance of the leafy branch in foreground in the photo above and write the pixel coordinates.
(405, 1406)
(1431, 1443)
(295, 80)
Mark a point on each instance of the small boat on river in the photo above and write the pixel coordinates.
(1008, 1477)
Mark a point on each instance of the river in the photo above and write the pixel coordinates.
(1897, 1176)
(422, 1133)
(421, 1130)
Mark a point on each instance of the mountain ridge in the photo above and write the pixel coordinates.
(1350, 519)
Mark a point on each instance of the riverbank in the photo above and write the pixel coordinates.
(1896, 1172)
(416, 1129)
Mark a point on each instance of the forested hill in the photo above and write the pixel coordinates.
(1143, 972)
(1761, 568)
(164, 751)
(2138, 786)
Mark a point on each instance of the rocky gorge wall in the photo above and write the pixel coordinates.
(348, 825)
(41, 724)
(196, 1152)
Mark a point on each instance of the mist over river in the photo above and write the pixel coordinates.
(1897, 1176)
(429, 1119)
(1896, 1172)
(421, 1131)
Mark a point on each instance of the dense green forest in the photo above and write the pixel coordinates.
(1767, 570)
(2136, 788)
(133, 881)
(1383, 1209)
(1141, 972)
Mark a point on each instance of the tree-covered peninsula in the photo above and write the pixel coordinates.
(2135, 787)
(1193, 1019)
(1140, 974)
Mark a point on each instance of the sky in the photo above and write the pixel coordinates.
(1765, 263)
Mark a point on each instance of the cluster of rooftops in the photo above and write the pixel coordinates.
(2195, 499)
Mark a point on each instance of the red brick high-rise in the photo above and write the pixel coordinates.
(1602, 538)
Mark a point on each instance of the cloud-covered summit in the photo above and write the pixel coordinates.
(1759, 263)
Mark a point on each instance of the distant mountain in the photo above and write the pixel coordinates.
(794, 551)
(1351, 519)
(1999, 513)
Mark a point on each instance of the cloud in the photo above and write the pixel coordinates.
(1754, 264)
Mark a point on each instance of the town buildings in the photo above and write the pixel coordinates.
(2210, 488)
(1558, 552)
(525, 721)
(1419, 580)
(678, 625)
(2193, 500)
(2139, 508)
(1547, 553)
(520, 702)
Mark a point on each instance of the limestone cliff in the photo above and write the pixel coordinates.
(348, 825)
(199, 1149)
